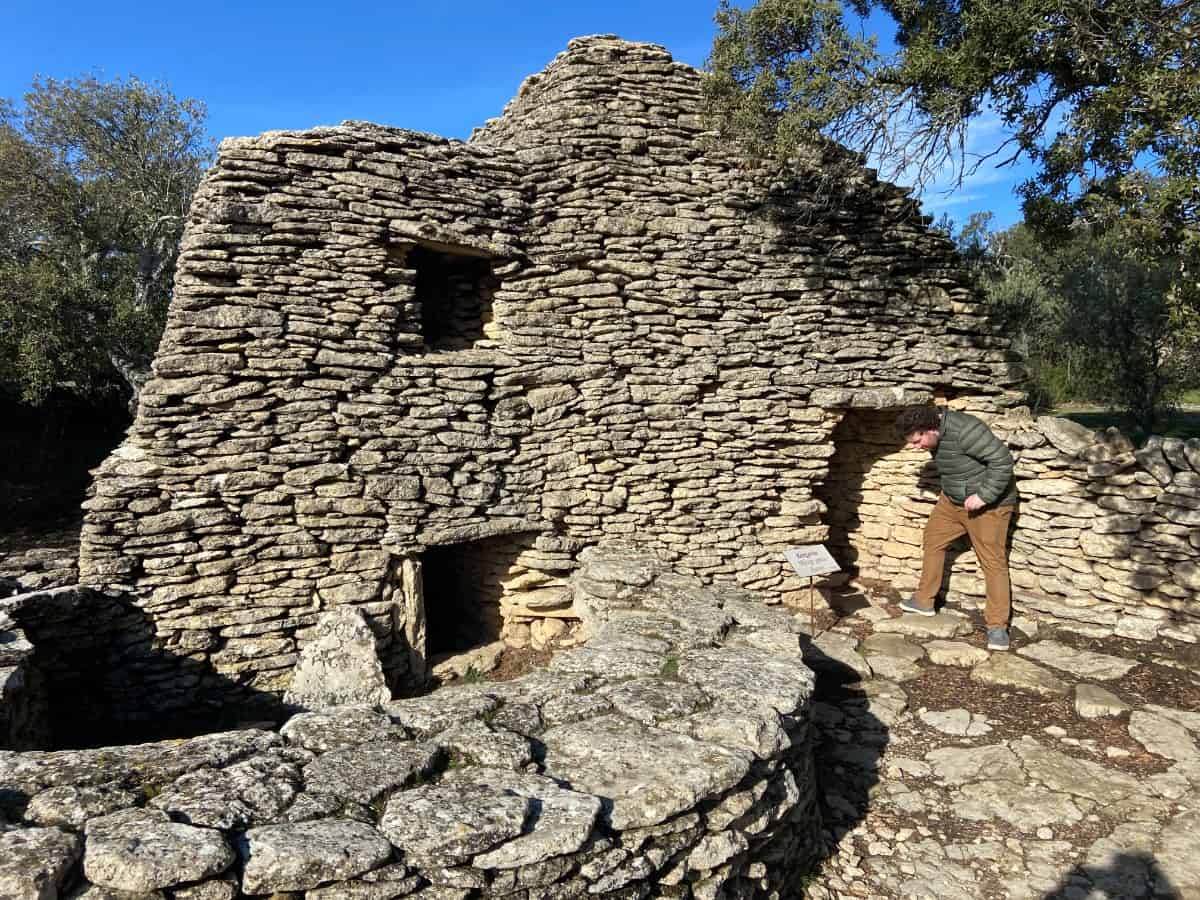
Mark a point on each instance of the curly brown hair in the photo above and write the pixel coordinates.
(918, 418)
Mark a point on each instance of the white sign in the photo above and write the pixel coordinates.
(810, 560)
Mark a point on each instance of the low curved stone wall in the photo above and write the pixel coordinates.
(668, 756)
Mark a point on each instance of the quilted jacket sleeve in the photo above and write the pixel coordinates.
(978, 442)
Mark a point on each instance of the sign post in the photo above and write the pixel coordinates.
(809, 561)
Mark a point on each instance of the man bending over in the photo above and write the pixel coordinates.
(978, 498)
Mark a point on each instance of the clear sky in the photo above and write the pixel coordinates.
(430, 66)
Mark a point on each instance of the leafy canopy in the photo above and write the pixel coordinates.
(95, 182)
(1103, 97)
(1094, 318)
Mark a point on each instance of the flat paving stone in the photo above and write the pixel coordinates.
(892, 645)
(1068, 774)
(1162, 736)
(1188, 719)
(1007, 670)
(941, 625)
(954, 653)
(1083, 663)
(893, 668)
(836, 654)
(1094, 702)
(1026, 807)
(1176, 854)
(958, 722)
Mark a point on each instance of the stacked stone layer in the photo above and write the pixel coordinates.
(669, 756)
(661, 331)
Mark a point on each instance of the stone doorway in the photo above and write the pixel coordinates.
(878, 497)
(474, 597)
(462, 605)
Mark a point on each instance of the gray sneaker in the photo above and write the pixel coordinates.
(911, 606)
(997, 638)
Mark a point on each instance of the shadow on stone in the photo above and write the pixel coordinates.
(850, 715)
(96, 676)
(1127, 875)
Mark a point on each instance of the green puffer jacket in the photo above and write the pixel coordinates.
(971, 460)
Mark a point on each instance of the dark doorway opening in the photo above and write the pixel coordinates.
(455, 296)
(462, 607)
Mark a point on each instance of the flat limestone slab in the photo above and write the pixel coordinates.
(304, 855)
(1162, 736)
(892, 645)
(368, 771)
(1006, 670)
(942, 625)
(748, 678)
(140, 850)
(648, 774)
(1094, 702)
(1189, 720)
(958, 722)
(954, 653)
(447, 824)
(837, 654)
(1083, 663)
(564, 822)
(1075, 776)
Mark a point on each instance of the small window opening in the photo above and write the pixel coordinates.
(454, 292)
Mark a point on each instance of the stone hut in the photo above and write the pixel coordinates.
(418, 376)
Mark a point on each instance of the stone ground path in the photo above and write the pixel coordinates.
(1067, 768)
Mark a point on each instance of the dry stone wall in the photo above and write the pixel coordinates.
(1107, 536)
(670, 756)
(656, 334)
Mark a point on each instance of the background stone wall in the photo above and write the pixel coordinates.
(1106, 536)
(661, 334)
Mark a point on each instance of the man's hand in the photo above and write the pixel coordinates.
(974, 503)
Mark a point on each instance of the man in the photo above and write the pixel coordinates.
(978, 498)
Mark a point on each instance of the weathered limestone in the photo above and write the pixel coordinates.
(339, 666)
(694, 779)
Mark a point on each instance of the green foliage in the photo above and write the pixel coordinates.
(1095, 317)
(1104, 98)
(95, 181)
(472, 676)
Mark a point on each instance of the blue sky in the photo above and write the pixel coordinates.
(438, 67)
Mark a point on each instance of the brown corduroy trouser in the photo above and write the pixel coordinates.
(988, 531)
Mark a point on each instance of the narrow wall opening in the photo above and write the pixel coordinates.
(454, 292)
(480, 592)
(462, 611)
(878, 496)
